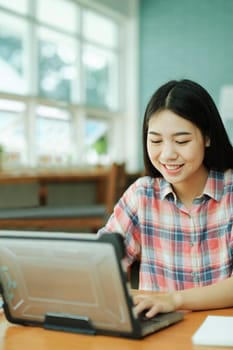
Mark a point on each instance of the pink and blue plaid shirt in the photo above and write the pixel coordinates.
(178, 248)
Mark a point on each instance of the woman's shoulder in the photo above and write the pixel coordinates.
(223, 181)
(228, 177)
(142, 188)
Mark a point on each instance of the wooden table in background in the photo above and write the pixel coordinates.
(97, 175)
(177, 337)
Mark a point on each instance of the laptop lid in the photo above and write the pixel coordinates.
(70, 282)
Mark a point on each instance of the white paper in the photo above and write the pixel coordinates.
(215, 330)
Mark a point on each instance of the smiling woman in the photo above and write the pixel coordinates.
(177, 153)
(177, 220)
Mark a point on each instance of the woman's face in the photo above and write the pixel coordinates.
(175, 147)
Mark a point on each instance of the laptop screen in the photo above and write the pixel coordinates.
(66, 275)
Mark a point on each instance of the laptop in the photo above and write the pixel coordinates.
(71, 282)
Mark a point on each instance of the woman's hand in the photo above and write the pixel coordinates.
(214, 296)
(155, 303)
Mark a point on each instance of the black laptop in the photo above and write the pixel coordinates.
(71, 282)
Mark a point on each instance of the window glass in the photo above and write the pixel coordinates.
(96, 141)
(100, 76)
(57, 65)
(60, 13)
(20, 6)
(71, 55)
(53, 137)
(100, 29)
(12, 133)
(13, 42)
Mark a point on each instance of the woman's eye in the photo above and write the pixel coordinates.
(182, 142)
(156, 141)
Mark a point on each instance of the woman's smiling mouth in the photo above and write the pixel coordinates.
(172, 167)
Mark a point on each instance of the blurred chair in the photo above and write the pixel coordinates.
(68, 218)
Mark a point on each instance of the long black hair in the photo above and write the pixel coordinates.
(191, 101)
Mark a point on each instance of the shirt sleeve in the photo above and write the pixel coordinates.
(231, 247)
(124, 220)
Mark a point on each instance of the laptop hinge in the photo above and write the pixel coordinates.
(69, 323)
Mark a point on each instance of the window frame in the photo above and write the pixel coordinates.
(123, 145)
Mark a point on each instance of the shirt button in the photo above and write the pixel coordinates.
(191, 243)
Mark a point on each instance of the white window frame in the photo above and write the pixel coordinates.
(124, 140)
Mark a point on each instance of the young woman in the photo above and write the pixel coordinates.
(178, 218)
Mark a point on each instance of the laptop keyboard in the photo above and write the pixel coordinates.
(143, 318)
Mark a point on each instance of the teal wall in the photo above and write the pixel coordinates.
(185, 39)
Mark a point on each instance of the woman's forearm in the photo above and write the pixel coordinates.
(214, 296)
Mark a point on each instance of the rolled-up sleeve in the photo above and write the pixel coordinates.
(124, 220)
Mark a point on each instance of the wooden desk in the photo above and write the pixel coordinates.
(178, 337)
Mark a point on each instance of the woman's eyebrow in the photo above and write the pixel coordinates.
(154, 133)
(179, 133)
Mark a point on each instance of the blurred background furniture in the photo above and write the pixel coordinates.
(20, 194)
(65, 215)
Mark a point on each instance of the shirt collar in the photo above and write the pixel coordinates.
(213, 188)
(214, 185)
(166, 189)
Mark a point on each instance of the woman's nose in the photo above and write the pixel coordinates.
(168, 152)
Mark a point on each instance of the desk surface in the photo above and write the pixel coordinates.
(178, 336)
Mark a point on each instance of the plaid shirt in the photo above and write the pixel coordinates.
(178, 248)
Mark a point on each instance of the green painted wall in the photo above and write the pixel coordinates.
(185, 39)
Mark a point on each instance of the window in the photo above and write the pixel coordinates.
(97, 139)
(61, 91)
(100, 61)
(53, 137)
(61, 14)
(57, 61)
(12, 132)
(20, 6)
(100, 81)
(100, 30)
(13, 43)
